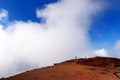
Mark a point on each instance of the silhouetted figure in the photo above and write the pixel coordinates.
(76, 59)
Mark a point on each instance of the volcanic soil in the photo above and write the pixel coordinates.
(96, 68)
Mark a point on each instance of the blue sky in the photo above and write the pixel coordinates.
(23, 10)
(106, 28)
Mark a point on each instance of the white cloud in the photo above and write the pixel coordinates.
(101, 52)
(3, 14)
(4, 17)
(116, 48)
(117, 45)
(26, 45)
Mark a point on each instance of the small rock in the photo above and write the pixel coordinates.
(117, 74)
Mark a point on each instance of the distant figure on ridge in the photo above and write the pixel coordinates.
(76, 59)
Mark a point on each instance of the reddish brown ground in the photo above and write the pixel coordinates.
(97, 68)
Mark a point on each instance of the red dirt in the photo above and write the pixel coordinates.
(97, 68)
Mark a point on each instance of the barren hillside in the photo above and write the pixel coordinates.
(97, 68)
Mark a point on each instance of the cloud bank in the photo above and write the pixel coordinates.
(101, 52)
(62, 35)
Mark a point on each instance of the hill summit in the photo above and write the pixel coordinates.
(96, 68)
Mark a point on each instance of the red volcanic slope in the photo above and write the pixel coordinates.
(97, 68)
